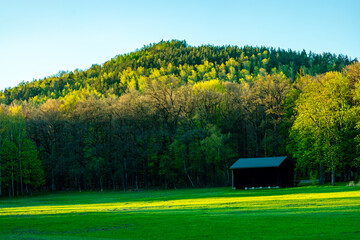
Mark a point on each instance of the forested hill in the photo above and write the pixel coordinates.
(172, 115)
(176, 58)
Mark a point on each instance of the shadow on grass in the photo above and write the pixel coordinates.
(73, 198)
(226, 223)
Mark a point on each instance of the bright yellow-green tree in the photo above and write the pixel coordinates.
(324, 121)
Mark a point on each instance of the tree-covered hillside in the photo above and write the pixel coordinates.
(172, 115)
(176, 58)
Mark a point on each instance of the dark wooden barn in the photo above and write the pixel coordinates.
(262, 172)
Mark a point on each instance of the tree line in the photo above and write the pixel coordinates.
(20, 167)
(192, 64)
(177, 124)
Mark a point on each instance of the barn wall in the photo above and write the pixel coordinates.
(281, 176)
(286, 174)
(255, 177)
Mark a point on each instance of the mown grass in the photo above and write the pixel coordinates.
(213, 213)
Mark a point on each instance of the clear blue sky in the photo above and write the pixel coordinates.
(40, 38)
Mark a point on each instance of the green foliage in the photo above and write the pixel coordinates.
(19, 163)
(174, 58)
(325, 123)
(219, 154)
(211, 85)
(32, 167)
(172, 115)
(9, 165)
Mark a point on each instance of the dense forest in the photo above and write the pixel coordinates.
(172, 115)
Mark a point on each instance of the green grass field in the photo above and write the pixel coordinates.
(213, 213)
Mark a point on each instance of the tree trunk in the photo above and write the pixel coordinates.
(79, 185)
(322, 175)
(12, 179)
(84, 179)
(20, 165)
(0, 167)
(52, 168)
(12, 172)
(228, 174)
(205, 178)
(185, 169)
(265, 152)
(146, 167)
(187, 174)
(232, 179)
(203, 157)
(276, 140)
(136, 182)
(125, 174)
(213, 173)
(113, 183)
(52, 180)
(333, 175)
(101, 184)
(0, 176)
(245, 147)
(257, 144)
(345, 178)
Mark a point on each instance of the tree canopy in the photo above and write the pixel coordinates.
(173, 115)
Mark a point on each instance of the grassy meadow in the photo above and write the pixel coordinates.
(310, 212)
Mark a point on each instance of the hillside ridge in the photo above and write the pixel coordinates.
(126, 71)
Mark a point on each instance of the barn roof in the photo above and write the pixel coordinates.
(258, 162)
